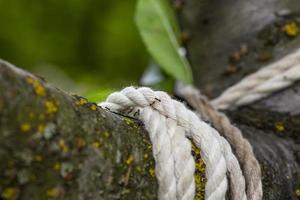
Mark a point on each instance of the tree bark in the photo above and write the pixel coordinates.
(59, 146)
(233, 38)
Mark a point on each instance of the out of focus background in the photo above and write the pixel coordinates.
(77, 45)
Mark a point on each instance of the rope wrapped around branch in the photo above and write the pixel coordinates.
(258, 85)
(241, 146)
(157, 111)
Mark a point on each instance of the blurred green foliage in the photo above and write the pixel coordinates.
(157, 23)
(94, 42)
(99, 95)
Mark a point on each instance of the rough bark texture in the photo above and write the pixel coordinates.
(59, 146)
(232, 38)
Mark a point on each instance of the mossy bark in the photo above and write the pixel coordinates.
(54, 145)
(232, 38)
(59, 146)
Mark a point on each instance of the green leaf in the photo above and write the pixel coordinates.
(158, 27)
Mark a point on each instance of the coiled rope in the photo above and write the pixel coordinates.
(215, 149)
(233, 135)
(262, 83)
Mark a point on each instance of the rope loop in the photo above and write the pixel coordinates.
(170, 123)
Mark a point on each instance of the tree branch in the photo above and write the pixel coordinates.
(60, 146)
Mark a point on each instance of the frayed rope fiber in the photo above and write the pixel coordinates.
(169, 124)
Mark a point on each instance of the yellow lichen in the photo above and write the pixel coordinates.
(51, 107)
(41, 128)
(52, 193)
(298, 192)
(152, 172)
(93, 107)
(96, 144)
(31, 115)
(57, 166)
(38, 158)
(81, 102)
(80, 143)
(200, 179)
(146, 156)
(106, 134)
(25, 127)
(41, 116)
(291, 29)
(9, 193)
(129, 160)
(128, 121)
(195, 150)
(38, 87)
(63, 147)
(200, 166)
(279, 126)
(138, 168)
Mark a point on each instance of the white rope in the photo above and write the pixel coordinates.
(170, 122)
(264, 82)
(162, 152)
(242, 148)
(182, 159)
(158, 111)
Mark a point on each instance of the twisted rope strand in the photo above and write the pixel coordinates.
(162, 153)
(145, 97)
(234, 136)
(262, 83)
(215, 150)
(275, 84)
(184, 162)
(168, 121)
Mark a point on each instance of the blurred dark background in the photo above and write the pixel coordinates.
(77, 45)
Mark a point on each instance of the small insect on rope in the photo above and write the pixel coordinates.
(169, 122)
